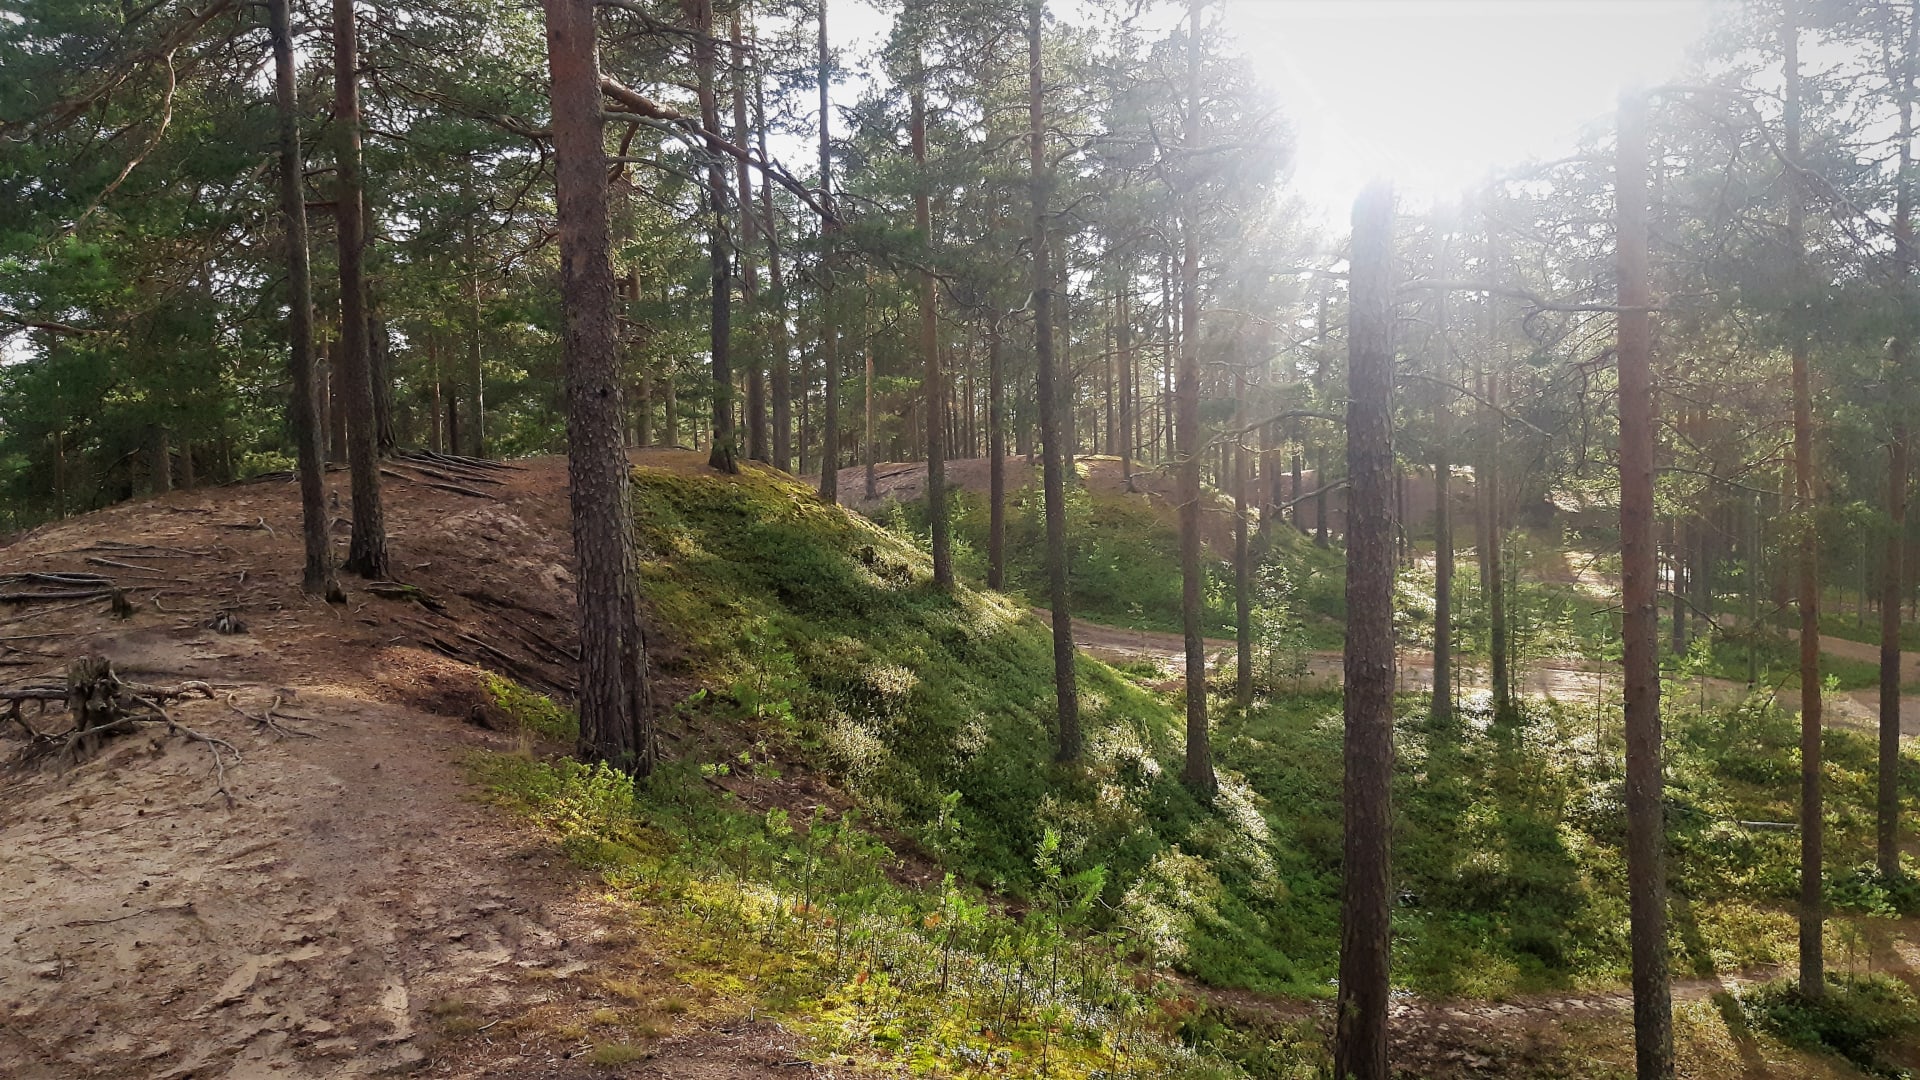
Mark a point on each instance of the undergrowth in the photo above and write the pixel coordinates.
(1124, 560)
(797, 918)
(1857, 1017)
(1074, 889)
(936, 711)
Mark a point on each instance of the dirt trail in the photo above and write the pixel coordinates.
(355, 896)
(905, 481)
(1564, 680)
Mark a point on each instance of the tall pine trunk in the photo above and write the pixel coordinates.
(778, 358)
(1242, 556)
(1441, 709)
(1123, 343)
(1640, 618)
(871, 450)
(756, 418)
(933, 381)
(303, 406)
(367, 550)
(1812, 915)
(1360, 1033)
(616, 723)
(996, 460)
(1053, 481)
(1894, 575)
(829, 328)
(724, 452)
(1198, 770)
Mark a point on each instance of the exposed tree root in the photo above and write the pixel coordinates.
(268, 721)
(103, 707)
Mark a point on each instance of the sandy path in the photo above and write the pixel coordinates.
(1563, 680)
(356, 900)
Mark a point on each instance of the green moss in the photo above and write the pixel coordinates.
(534, 712)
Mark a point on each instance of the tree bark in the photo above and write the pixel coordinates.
(1646, 843)
(1812, 915)
(159, 460)
(996, 460)
(367, 550)
(1360, 1034)
(1441, 710)
(1198, 770)
(1242, 556)
(779, 360)
(724, 452)
(616, 723)
(1123, 342)
(934, 379)
(749, 269)
(872, 451)
(829, 328)
(1322, 360)
(1053, 481)
(386, 439)
(317, 577)
(476, 372)
(1492, 529)
(1894, 574)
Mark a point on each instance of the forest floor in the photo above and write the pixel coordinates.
(352, 909)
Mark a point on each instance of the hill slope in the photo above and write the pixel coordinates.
(353, 912)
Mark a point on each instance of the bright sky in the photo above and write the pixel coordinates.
(1437, 93)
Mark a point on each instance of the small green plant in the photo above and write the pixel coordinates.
(1856, 1018)
(534, 712)
(614, 1054)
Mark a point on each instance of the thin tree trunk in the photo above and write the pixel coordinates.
(1123, 341)
(934, 379)
(1492, 530)
(1812, 915)
(749, 268)
(1322, 360)
(367, 550)
(829, 328)
(866, 352)
(380, 371)
(616, 721)
(723, 454)
(476, 372)
(1441, 709)
(1242, 556)
(317, 577)
(1167, 360)
(1894, 574)
(1053, 481)
(1646, 854)
(779, 358)
(333, 414)
(159, 461)
(453, 418)
(996, 461)
(1198, 770)
(1360, 1033)
(434, 428)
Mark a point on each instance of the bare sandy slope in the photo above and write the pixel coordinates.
(354, 910)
